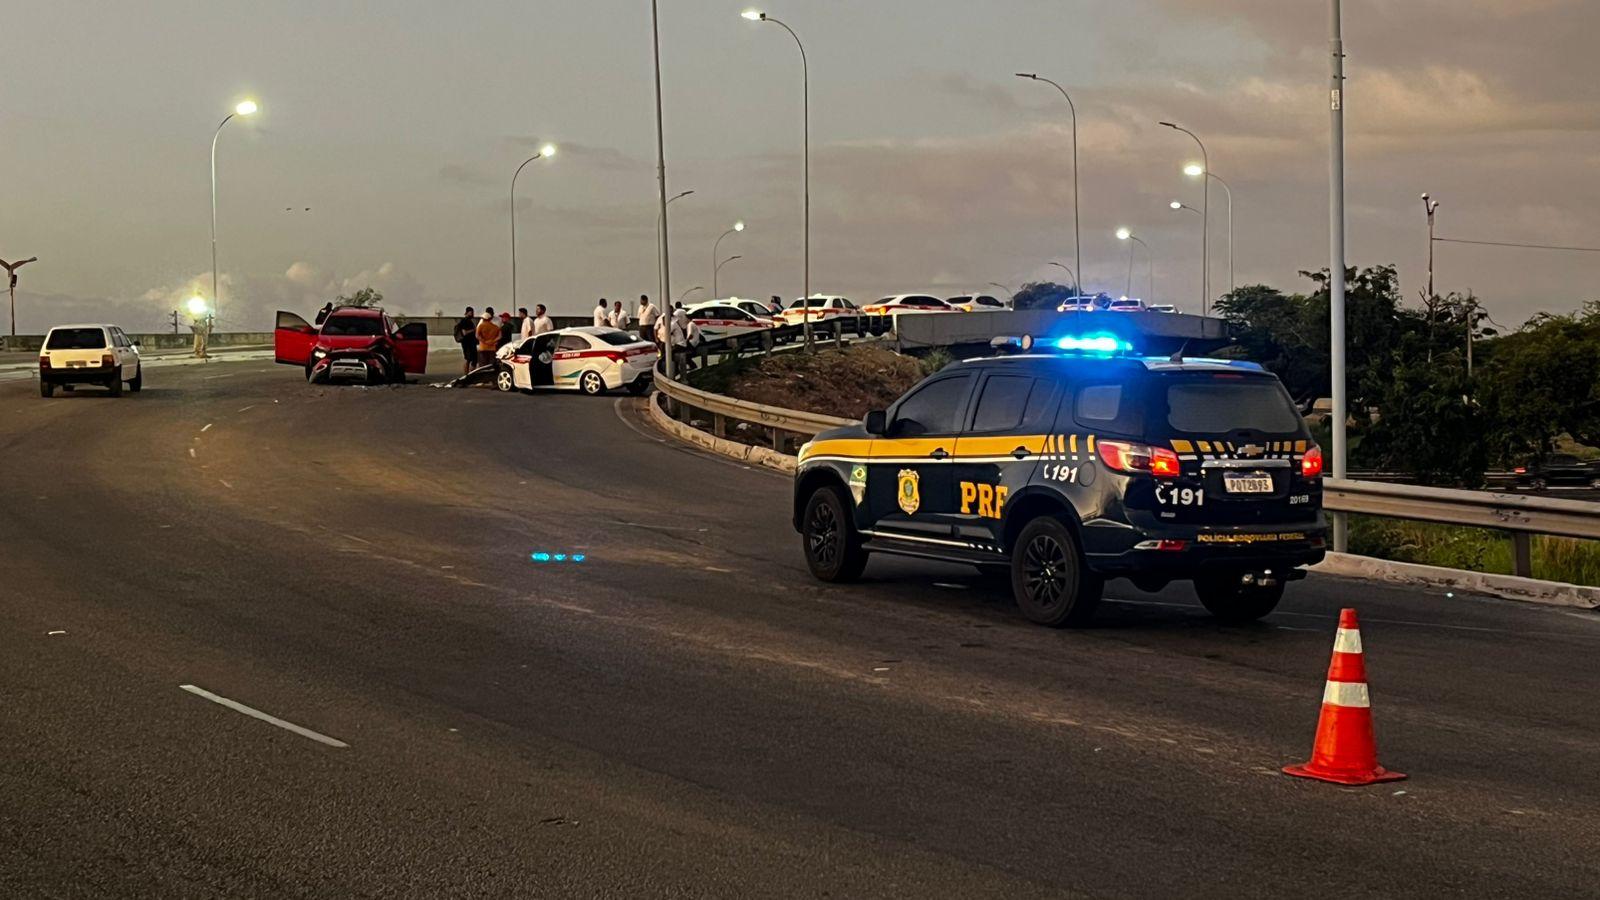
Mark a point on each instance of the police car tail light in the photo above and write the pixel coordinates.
(1311, 463)
(1128, 457)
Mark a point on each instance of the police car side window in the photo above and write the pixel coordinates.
(934, 408)
(1002, 402)
(1107, 407)
(572, 342)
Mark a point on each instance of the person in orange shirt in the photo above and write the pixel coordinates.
(488, 338)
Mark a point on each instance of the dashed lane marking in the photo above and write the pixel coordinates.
(238, 707)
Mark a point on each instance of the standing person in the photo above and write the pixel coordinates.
(466, 335)
(488, 334)
(647, 314)
(542, 322)
(777, 304)
(508, 330)
(522, 320)
(322, 314)
(601, 314)
(618, 318)
(201, 326)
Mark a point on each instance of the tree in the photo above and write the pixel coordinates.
(367, 296)
(1543, 381)
(1046, 295)
(1430, 424)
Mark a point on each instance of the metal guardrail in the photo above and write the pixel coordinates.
(1519, 515)
(782, 425)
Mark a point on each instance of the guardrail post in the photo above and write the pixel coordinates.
(1522, 554)
(780, 439)
(719, 425)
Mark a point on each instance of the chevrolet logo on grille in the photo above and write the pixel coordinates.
(1252, 450)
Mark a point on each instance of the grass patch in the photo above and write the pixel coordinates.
(1475, 549)
(848, 383)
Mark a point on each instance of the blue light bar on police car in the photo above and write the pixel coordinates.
(1093, 343)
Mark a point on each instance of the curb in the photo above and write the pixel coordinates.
(771, 459)
(1506, 587)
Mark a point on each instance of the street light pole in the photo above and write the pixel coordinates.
(1077, 289)
(661, 183)
(1193, 171)
(11, 281)
(661, 290)
(1077, 237)
(1430, 206)
(1125, 234)
(546, 150)
(245, 108)
(1336, 336)
(717, 270)
(805, 94)
(1205, 215)
(737, 227)
(1008, 290)
(1178, 206)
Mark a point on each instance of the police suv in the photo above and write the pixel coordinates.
(1068, 466)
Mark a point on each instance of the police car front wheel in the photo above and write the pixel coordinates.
(1048, 578)
(833, 549)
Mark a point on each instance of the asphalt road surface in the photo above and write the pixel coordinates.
(685, 712)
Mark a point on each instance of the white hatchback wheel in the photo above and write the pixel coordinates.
(591, 383)
(504, 381)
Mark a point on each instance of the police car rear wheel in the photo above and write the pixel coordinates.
(1227, 598)
(833, 550)
(1048, 579)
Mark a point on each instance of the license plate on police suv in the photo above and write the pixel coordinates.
(1247, 482)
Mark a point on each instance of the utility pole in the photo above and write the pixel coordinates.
(661, 186)
(1336, 334)
(11, 273)
(174, 321)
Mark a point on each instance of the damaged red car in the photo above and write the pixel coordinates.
(352, 343)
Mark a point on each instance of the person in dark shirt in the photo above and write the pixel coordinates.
(508, 330)
(466, 334)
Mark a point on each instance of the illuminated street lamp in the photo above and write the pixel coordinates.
(1196, 170)
(737, 226)
(805, 95)
(245, 108)
(196, 305)
(1126, 234)
(545, 152)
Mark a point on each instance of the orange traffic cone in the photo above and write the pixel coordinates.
(1345, 751)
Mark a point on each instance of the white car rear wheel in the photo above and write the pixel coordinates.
(592, 384)
(504, 381)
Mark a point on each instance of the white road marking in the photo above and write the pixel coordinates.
(206, 429)
(55, 632)
(247, 409)
(236, 706)
(191, 453)
(225, 484)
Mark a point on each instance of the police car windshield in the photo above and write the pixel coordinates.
(1209, 404)
(617, 338)
(76, 339)
(363, 326)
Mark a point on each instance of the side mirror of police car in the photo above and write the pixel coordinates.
(877, 422)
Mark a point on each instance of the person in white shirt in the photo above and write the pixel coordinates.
(602, 314)
(525, 330)
(647, 312)
(618, 318)
(541, 320)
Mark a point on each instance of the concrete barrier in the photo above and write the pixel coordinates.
(30, 343)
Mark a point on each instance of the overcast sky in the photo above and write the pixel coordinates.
(399, 124)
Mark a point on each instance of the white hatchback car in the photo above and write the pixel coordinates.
(89, 354)
(589, 359)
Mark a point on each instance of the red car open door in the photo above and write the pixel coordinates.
(411, 348)
(292, 339)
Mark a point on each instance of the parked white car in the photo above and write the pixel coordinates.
(721, 318)
(903, 304)
(102, 355)
(978, 303)
(589, 359)
(817, 308)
